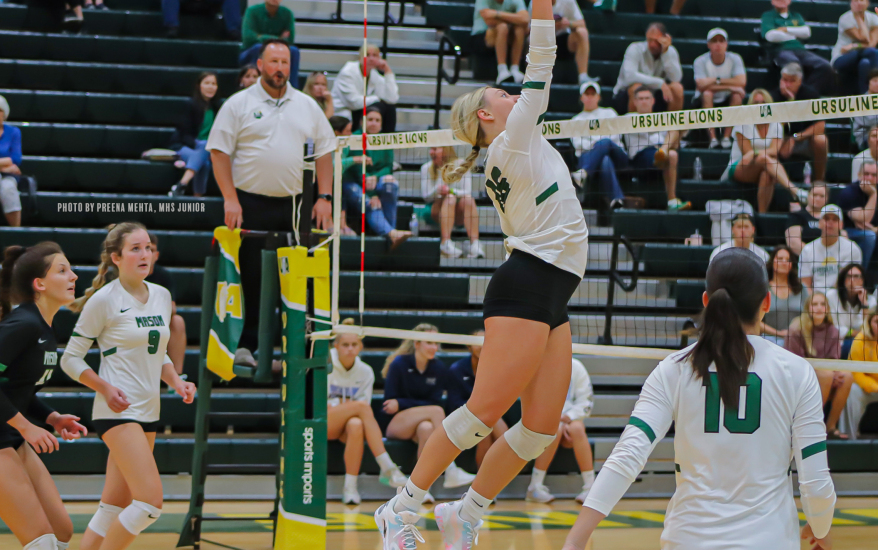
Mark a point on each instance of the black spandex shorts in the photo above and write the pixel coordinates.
(526, 287)
(10, 439)
(103, 426)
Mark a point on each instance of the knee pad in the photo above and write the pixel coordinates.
(46, 542)
(464, 429)
(527, 444)
(62, 545)
(103, 518)
(138, 516)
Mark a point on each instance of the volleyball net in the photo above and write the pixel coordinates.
(643, 287)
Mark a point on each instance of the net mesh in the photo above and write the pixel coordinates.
(647, 256)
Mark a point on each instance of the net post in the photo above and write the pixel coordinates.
(336, 232)
(268, 297)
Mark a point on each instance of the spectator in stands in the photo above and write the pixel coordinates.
(743, 234)
(863, 125)
(451, 204)
(159, 275)
(496, 24)
(655, 65)
(248, 76)
(601, 155)
(720, 81)
(269, 21)
(257, 147)
(349, 416)
(381, 89)
(785, 29)
(803, 226)
(864, 348)
(814, 335)
(808, 139)
(787, 294)
(753, 159)
(317, 87)
(463, 378)
(414, 383)
(342, 128)
(676, 6)
(10, 167)
(231, 17)
(570, 434)
(847, 302)
(190, 139)
(570, 29)
(854, 54)
(651, 152)
(382, 189)
(869, 153)
(857, 200)
(823, 258)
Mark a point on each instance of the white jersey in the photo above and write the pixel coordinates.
(733, 467)
(133, 339)
(527, 178)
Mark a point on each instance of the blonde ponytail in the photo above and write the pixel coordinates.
(407, 347)
(466, 126)
(455, 171)
(113, 244)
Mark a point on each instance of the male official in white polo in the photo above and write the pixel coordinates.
(257, 148)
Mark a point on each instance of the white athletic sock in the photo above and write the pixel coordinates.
(384, 462)
(501, 67)
(474, 506)
(587, 479)
(537, 477)
(350, 482)
(410, 498)
(62, 545)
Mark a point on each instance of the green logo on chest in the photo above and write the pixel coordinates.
(150, 321)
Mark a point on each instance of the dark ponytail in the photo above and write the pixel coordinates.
(737, 283)
(20, 267)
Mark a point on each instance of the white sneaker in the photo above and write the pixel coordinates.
(539, 493)
(503, 74)
(350, 495)
(714, 143)
(475, 250)
(398, 531)
(580, 498)
(456, 477)
(457, 534)
(393, 478)
(517, 75)
(726, 143)
(449, 249)
(429, 499)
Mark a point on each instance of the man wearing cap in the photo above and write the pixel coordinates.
(784, 30)
(821, 260)
(720, 80)
(858, 202)
(10, 167)
(743, 232)
(653, 63)
(601, 155)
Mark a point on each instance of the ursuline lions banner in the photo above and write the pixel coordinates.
(228, 310)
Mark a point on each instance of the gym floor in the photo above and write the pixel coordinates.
(511, 525)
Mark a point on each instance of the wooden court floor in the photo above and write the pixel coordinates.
(511, 525)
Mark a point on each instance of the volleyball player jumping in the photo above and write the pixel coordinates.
(528, 345)
(732, 457)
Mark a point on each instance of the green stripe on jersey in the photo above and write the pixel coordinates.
(109, 352)
(534, 85)
(3, 367)
(81, 336)
(547, 193)
(812, 450)
(638, 423)
(541, 119)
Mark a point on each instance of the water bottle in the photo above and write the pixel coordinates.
(413, 225)
(696, 166)
(806, 173)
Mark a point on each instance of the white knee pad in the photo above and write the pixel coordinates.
(103, 518)
(138, 516)
(62, 545)
(464, 429)
(46, 542)
(527, 444)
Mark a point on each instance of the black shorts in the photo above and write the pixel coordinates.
(10, 438)
(103, 426)
(526, 287)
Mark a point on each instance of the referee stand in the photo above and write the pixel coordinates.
(301, 276)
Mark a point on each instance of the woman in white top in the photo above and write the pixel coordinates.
(130, 320)
(754, 158)
(848, 301)
(870, 153)
(733, 487)
(381, 89)
(854, 54)
(350, 418)
(528, 345)
(451, 204)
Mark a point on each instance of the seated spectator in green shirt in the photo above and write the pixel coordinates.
(264, 22)
(496, 23)
(784, 30)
